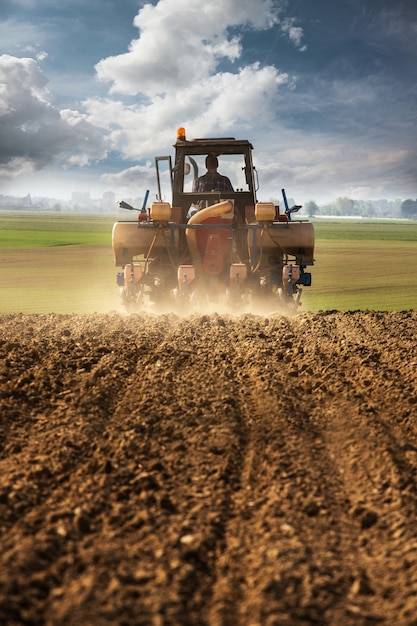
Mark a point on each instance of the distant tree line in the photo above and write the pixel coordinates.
(409, 209)
(344, 206)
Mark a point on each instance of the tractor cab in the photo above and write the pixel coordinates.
(179, 180)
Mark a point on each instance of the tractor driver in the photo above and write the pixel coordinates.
(212, 180)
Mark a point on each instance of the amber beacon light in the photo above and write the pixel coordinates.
(181, 134)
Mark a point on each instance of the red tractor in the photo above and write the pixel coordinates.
(212, 244)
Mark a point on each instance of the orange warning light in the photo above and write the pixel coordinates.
(181, 134)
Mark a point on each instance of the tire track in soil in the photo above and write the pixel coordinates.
(380, 487)
(184, 404)
(283, 573)
(375, 460)
(333, 575)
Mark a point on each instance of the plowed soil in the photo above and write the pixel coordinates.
(208, 470)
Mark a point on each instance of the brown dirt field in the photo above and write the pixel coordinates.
(208, 470)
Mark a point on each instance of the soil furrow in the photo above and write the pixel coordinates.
(210, 470)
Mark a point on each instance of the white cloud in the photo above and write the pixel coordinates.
(41, 56)
(218, 103)
(131, 180)
(320, 167)
(294, 33)
(15, 167)
(181, 42)
(22, 37)
(175, 70)
(33, 131)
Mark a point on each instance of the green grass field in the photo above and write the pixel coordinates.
(364, 265)
(63, 263)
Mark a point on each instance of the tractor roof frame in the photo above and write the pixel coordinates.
(218, 146)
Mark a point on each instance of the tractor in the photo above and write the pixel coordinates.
(211, 246)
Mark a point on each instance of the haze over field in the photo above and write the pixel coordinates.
(90, 93)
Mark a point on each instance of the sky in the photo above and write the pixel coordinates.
(326, 91)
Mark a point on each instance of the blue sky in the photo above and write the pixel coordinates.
(325, 90)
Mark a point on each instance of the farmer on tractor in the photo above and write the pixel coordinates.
(212, 180)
